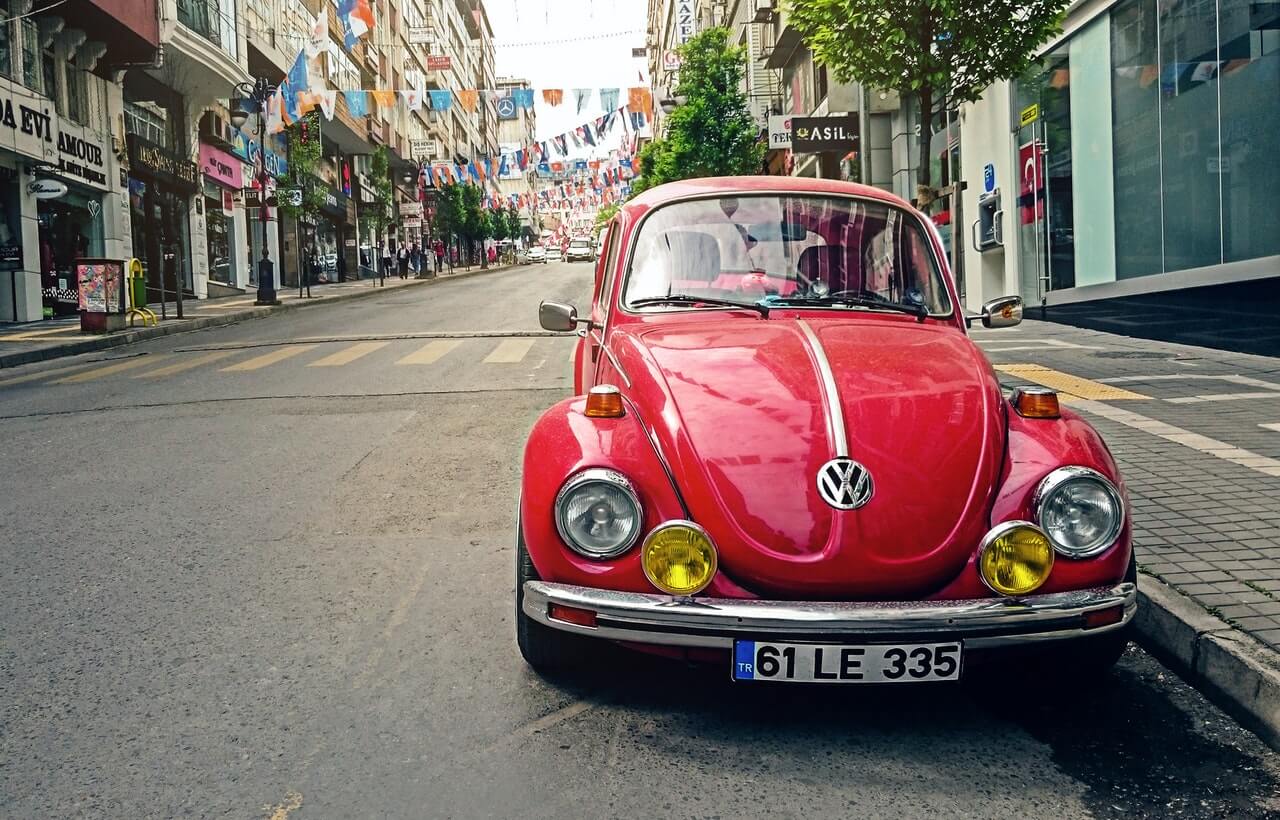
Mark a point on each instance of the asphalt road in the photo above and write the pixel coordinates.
(267, 571)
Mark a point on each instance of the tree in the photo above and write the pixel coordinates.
(514, 223)
(944, 52)
(605, 214)
(377, 215)
(713, 132)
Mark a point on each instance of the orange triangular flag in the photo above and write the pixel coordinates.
(383, 98)
(640, 100)
(553, 96)
(468, 99)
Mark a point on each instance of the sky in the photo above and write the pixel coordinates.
(570, 44)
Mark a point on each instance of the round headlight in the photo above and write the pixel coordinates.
(598, 514)
(1015, 558)
(1080, 511)
(678, 557)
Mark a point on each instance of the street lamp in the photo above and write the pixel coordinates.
(260, 91)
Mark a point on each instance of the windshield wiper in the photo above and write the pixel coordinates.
(686, 299)
(919, 311)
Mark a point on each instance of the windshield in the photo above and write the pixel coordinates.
(810, 251)
(578, 243)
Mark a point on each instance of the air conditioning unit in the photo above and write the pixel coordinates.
(215, 130)
(764, 10)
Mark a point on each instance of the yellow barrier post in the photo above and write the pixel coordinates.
(138, 295)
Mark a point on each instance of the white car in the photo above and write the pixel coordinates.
(553, 254)
(536, 254)
(580, 249)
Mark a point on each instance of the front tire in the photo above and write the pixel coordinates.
(543, 648)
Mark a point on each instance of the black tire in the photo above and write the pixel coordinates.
(543, 648)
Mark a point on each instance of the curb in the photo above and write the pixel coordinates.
(201, 322)
(1233, 669)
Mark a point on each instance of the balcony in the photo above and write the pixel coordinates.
(204, 17)
(202, 49)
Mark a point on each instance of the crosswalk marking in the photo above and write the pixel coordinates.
(431, 352)
(509, 352)
(43, 374)
(259, 362)
(109, 370)
(186, 364)
(1067, 383)
(349, 355)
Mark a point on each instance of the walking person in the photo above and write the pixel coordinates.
(387, 258)
(402, 257)
(439, 249)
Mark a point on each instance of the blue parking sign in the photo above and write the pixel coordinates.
(988, 178)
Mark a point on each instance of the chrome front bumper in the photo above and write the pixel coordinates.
(717, 622)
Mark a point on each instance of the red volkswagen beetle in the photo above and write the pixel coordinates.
(786, 455)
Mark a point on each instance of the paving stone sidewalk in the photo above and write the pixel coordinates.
(38, 341)
(1196, 432)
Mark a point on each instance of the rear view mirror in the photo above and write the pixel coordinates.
(1003, 312)
(558, 316)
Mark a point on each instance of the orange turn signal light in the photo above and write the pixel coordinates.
(604, 402)
(571, 615)
(1036, 403)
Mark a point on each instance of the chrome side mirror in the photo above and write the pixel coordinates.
(559, 317)
(1003, 312)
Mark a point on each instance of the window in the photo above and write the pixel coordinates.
(609, 261)
(30, 54)
(77, 94)
(147, 121)
(1135, 135)
(49, 79)
(6, 42)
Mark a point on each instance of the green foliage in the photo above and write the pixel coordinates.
(604, 215)
(713, 132)
(944, 52)
(304, 157)
(377, 215)
(514, 225)
(449, 215)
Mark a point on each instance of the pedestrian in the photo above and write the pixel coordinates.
(439, 249)
(387, 259)
(402, 257)
(313, 266)
(415, 259)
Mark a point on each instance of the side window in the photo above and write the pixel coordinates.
(608, 258)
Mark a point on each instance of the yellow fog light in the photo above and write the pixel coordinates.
(678, 557)
(1015, 558)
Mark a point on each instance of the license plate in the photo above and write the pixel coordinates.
(837, 663)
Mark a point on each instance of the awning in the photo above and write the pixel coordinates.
(787, 44)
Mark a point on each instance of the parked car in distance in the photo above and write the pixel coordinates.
(536, 254)
(580, 249)
(785, 455)
(553, 253)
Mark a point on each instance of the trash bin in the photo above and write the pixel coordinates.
(137, 285)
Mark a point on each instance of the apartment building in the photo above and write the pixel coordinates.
(518, 129)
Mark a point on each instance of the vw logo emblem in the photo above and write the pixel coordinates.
(845, 484)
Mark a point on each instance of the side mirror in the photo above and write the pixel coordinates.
(560, 317)
(1003, 312)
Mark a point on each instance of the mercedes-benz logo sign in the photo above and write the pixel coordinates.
(845, 484)
(506, 107)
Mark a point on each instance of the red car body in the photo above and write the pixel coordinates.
(727, 421)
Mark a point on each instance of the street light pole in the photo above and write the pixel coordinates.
(260, 91)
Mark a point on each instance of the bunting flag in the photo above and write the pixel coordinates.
(328, 101)
(275, 113)
(357, 103)
(543, 153)
(553, 96)
(640, 100)
(412, 99)
(522, 97)
(609, 98)
(357, 18)
(382, 98)
(585, 133)
(467, 99)
(581, 96)
(441, 100)
(318, 42)
(562, 145)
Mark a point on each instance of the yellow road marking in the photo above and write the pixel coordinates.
(1069, 384)
(431, 352)
(38, 335)
(259, 362)
(349, 355)
(31, 377)
(509, 352)
(110, 370)
(186, 364)
(281, 811)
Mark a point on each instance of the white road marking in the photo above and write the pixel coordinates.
(1270, 394)
(1275, 425)
(1234, 379)
(1037, 344)
(1168, 432)
(509, 351)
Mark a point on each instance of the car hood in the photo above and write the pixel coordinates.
(742, 410)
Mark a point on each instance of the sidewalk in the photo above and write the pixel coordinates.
(39, 341)
(1197, 435)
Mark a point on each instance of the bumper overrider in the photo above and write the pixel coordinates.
(716, 623)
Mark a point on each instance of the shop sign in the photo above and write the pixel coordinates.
(221, 167)
(780, 131)
(1029, 115)
(670, 61)
(685, 20)
(422, 149)
(439, 62)
(810, 135)
(334, 202)
(419, 36)
(228, 202)
(988, 178)
(411, 209)
(148, 159)
(47, 188)
(80, 158)
(292, 197)
(36, 131)
(411, 223)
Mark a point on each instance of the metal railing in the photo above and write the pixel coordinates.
(204, 17)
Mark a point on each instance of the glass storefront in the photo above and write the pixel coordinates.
(1163, 160)
(70, 229)
(220, 235)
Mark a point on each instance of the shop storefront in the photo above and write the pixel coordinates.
(161, 185)
(223, 179)
(328, 236)
(53, 177)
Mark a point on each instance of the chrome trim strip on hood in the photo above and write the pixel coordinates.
(835, 412)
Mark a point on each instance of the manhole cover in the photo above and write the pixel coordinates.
(1132, 354)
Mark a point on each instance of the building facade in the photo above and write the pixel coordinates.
(1135, 159)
